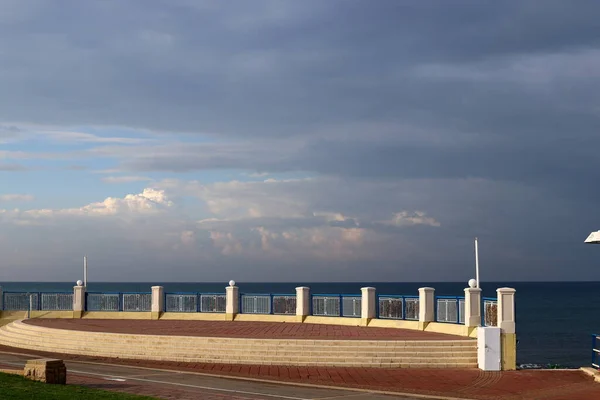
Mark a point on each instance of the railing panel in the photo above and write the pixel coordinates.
(328, 306)
(213, 303)
(490, 312)
(103, 301)
(461, 308)
(284, 304)
(181, 302)
(20, 301)
(56, 301)
(447, 310)
(137, 302)
(351, 306)
(411, 308)
(256, 304)
(391, 307)
(596, 351)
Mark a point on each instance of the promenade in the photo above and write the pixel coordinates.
(235, 329)
(465, 383)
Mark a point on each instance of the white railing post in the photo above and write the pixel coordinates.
(232, 301)
(78, 301)
(426, 306)
(472, 308)
(507, 325)
(158, 302)
(368, 304)
(302, 303)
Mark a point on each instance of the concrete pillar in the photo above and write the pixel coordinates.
(78, 301)
(302, 303)
(426, 306)
(233, 302)
(472, 309)
(368, 304)
(506, 323)
(158, 302)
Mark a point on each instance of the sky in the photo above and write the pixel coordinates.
(351, 140)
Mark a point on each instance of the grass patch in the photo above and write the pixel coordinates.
(14, 387)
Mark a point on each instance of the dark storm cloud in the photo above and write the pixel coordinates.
(387, 91)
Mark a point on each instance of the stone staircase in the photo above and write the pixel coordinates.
(300, 352)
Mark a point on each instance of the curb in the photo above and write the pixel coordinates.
(591, 372)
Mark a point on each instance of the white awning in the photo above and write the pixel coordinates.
(593, 238)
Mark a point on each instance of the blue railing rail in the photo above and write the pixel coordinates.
(394, 306)
(596, 351)
(489, 312)
(449, 309)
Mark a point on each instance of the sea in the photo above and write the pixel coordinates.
(555, 320)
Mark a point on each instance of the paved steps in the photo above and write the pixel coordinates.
(299, 352)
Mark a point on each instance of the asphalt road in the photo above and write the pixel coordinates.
(185, 385)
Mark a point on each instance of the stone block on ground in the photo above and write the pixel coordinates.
(46, 370)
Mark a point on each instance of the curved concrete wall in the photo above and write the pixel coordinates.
(344, 353)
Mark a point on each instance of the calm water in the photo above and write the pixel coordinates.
(554, 320)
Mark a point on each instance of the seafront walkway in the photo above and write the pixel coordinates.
(463, 383)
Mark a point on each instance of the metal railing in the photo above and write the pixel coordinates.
(102, 301)
(56, 301)
(398, 307)
(136, 302)
(450, 309)
(490, 311)
(255, 304)
(181, 302)
(213, 302)
(596, 351)
(352, 306)
(20, 301)
(327, 305)
(283, 304)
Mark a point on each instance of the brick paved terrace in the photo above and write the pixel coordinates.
(239, 329)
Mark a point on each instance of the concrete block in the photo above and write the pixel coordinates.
(46, 370)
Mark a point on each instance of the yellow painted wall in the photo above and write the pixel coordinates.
(508, 343)
(116, 315)
(193, 316)
(265, 318)
(392, 323)
(51, 314)
(311, 319)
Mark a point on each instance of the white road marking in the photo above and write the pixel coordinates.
(196, 386)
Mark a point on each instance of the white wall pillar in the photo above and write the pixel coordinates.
(472, 307)
(426, 306)
(506, 310)
(158, 301)
(368, 304)
(233, 302)
(78, 301)
(506, 323)
(302, 303)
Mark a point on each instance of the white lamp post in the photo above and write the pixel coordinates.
(593, 238)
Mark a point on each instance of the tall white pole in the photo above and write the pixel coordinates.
(476, 263)
(85, 265)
